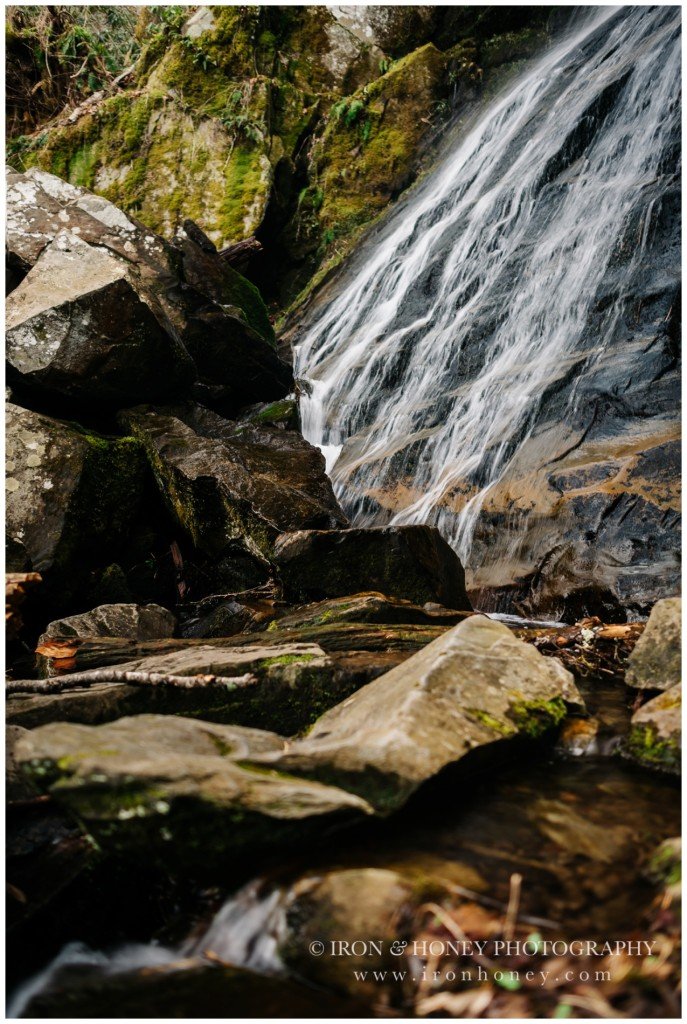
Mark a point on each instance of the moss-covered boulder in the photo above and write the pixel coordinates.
(474, 687)
(174, 789)
(410, 562)
(655, 738)
(72, 497)
(276, 120)
(655, 663)
(370, 148)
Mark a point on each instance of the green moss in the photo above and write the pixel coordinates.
(536, 717)
(288, 659)
(665, 865)
(484, 718)
(644, 745)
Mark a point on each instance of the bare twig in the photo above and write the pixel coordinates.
(513, 906)
(77, 680)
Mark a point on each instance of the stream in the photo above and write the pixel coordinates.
(578, 830)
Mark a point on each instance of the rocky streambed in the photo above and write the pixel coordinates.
(241, 730)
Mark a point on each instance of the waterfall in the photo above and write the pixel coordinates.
(458, 351)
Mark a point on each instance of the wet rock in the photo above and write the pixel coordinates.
(410, 562)
(282, 414)
(139, 622)
(80, 325)
(226, 485)
(475, 686)
(655, 738)
(72, 497)
(173, 789)
(655, 663)
(183, 988)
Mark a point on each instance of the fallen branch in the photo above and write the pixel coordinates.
(239, 252)
(78, 680)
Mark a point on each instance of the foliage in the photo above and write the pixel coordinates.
(59, 55)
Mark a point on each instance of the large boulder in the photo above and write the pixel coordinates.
(173, 789)
(79, 325)
(476, 685)
(655, 738)
(411, 562)
(230, 485)
(108, 312)
(139, 622)
(72, 496)
(655, 663)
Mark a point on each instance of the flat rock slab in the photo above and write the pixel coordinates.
(370, 607)
(172, 788)
(476, 685)
(288, 687)
(655, 738)
(413, 563)
(75, 654)
(655, 662)
(286, 696)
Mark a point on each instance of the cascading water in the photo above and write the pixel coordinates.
(460, 350)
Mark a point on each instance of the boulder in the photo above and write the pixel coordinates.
(655, 738)
(410, 562)
(72, 496)
(174, 790)
(229, 485)
(655, 663)
(320, 909)
(139, 622)
(471, 688)
(79, 325)
(108, 311)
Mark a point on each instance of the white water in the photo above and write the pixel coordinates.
(427, 369)
(245, 932)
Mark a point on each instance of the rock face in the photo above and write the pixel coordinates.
(72, 496)
(139, 622)
(474, 686)
(411, 562)
(108, 312)
(229, 485)
(173, 788)
(655, 738)
(655, 663)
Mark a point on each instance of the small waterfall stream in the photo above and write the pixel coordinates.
(467, 322)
